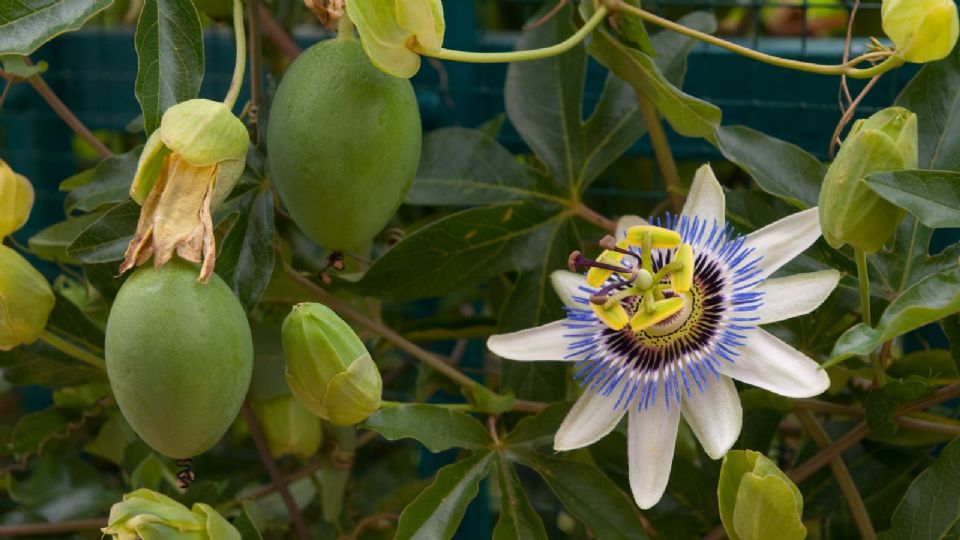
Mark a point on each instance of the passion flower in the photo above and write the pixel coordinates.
(669, 361)
(328, 368)
(16, 200)
(188, 167)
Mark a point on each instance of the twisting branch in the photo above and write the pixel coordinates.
(256, 75)
(256, 433)
(64, 112)
(275, 32)
(842, 475)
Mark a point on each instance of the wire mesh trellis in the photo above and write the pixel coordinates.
(93, 71)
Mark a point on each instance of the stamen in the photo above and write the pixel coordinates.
(610, 243)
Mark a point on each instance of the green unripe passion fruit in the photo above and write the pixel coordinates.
(343, 143)
(179, 357)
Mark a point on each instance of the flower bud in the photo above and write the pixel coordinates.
(328, 369)
(921, 30)
(288, 427)
(147, 514)
(850, 212)
(187, 168)
(25, 301)
(391, 29)
(16, 200)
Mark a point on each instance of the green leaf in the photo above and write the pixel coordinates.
(169, 43)
(34, 429)
(45, 366)
(932, 364)
(630, 28)
(673, 48)
(246, 257)
(246, 522)
(883, 402)
(25, 26)
(466, 167)
(68, 321)
(932, 196)
(779, 168)
(934, 94)
(687, 115)
(908, 261)
(931, 508)
(951, 327)
(106, 239)
(461, 250)
(488, 401)
(589, 495)
(438, 511)
(109, 183)
(538, 430)
(435, 427)
(544, 101)
(51, 243)
(518, 520)
(928, 301)
(757, 501)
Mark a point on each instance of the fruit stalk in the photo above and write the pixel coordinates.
(238, 70)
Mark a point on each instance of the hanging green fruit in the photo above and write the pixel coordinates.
(343, 142)
(179, 357)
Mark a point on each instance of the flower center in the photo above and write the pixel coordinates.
(701, 306)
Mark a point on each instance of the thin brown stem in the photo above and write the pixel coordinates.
(944, 394)
(67, 115)
(848, 115)
(842, 475)
(38, 529)
(256, 74)
(596, 218)
(661, 149)
(825, 455)
(926, 425)
(275, 32)
(256, 433)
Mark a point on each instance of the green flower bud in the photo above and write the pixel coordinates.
(921, 30)
(25, 301)
(850, 212)
(16, 200)
(328, 369)
(150, 515)
(288, 427)
(187, 168)
(392, 29)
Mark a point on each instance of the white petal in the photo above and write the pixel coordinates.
(715, 415)
(547, 342)
(567, 284)
(783, 240)
(592, 417)
(625, 223)
(706, 198)
(769, 363)
(651, 436)
(792, 296)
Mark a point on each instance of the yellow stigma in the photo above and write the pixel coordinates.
(662, 238)
(663, 309)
